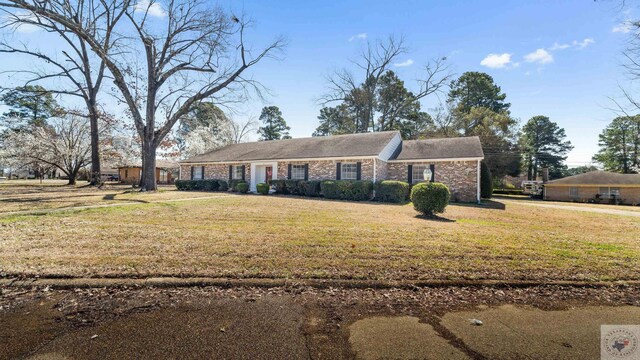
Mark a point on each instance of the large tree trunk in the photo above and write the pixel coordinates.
(73, 175)
(95, 147)
(148, 181)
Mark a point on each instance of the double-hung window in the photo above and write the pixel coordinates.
(420, 173)
(349, 171)
(236, 173)
(197, 173)
(297, 172)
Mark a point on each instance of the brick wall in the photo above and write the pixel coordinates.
(628, 195)
(215, 171)
(459, 176)
(326, 169)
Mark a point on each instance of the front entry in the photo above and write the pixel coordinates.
(268, 174)
(262, 172)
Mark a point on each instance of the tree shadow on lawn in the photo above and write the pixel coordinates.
(486, 204)
(112, 197)
(434, 218)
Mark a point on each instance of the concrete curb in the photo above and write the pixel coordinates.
(169, 282)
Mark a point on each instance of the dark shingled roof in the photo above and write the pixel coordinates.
(353, 145)
(445, 148)
(598, 178)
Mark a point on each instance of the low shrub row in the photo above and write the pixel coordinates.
(202, 185)
(310, 188)
(508, 191)
(392, 191)
(356, 190)
(233, 185)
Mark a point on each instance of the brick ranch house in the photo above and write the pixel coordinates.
(606, 186)
(365, 156)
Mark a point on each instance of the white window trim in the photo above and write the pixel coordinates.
(295, 170)
(236, 172)
(355, 170)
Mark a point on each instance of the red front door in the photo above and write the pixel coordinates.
(268, 174)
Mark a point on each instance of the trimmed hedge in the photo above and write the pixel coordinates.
(430, 198)
(392, 191)
(357, 190)
(279, 186)
(242, 187)
(311, 188)
(508, 191)
(262, 188)
(233, 184)
(291, 187)
(201, 185)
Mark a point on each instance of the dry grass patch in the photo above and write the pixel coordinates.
(269, 236)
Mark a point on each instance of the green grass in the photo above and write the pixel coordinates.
(272, 236)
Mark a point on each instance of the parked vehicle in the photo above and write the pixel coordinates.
(532, 188)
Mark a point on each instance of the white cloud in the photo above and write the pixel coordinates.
(360, 36)
(408, 62)
(584, 43)
(557, 46)
(496, 61)
(540, 56)
(623, 27)
(152, 8)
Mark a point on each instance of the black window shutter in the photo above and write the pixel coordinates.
(202, 172)
(358, 170)
(306, 172)
(230, 172)
(338, 165)
(289, 172)
(242, 172)
(191, 173)
(433, 172)
(410, 175)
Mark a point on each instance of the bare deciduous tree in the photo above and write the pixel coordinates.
(83, 71)
(374, 61)
(188, 52)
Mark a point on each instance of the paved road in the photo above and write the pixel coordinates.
(198, 323)
(573, 208)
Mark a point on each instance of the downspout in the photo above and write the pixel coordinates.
(478, 183)
(374, 177)
(179, 172)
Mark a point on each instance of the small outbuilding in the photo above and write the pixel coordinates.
(595, 186)
(166, 172)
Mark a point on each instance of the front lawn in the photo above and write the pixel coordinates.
(272, 236)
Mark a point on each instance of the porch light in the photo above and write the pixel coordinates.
(427, 174)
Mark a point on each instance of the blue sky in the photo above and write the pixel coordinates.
(556, 58)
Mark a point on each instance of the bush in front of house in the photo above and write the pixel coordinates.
(233, 184)
(392, 191)
(291, 187)
(262, 188)
(356, 190)
(279, 186)
(222, 185)
(486, 183)
(311, 188)
(201, 185)
(242, 187)
(430, 198)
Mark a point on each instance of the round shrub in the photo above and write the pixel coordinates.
(222, 185)
(242, 187)
(392, 191)
(430, 198)
(262, 188)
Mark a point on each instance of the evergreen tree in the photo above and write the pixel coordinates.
(544, 144)
(274, 127)
(620, 145)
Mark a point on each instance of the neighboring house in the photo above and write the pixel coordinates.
(366, 156)
(595, 186)
(166, 172)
